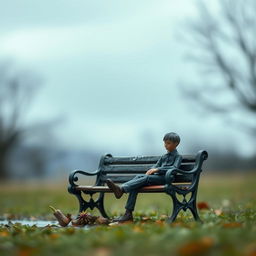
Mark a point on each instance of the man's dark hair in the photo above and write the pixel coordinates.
(172, 136)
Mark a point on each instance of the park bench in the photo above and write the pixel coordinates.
(182, 181)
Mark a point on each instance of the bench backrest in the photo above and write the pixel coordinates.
(123, 168)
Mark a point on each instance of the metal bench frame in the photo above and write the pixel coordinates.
(178, 181)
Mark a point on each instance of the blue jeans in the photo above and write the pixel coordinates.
(137, 182)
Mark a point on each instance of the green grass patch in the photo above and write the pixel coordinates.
(228, 229)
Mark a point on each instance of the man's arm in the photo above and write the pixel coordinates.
(153, 168)
(177, 163)
(157, 164)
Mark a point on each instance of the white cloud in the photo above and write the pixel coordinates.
(112, 71)
(139, 32)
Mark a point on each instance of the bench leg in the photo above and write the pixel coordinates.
(100, 203)
(177, 206)
(84, 205)
(184, 205)
(193, 208)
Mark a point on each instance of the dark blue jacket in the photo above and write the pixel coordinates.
(168, 160)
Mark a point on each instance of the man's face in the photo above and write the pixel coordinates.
(169, 145)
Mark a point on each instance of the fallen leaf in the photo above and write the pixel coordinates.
(218, 212)
(102, 251)
(163, 216)
(146, 218)
(4, 233)
(178, 224)
(160, 222)
(232, 225)
(137, 229)
(54, 236)
(27, 251)
(196, 247)
(250, 249)
(202, 205)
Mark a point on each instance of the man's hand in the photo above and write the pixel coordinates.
(151, 171)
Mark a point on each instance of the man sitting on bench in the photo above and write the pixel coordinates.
(154, 176)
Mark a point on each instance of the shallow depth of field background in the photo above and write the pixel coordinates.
(84, 78)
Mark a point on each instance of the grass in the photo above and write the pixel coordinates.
(228, 229)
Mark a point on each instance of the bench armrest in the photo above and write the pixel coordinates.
(169, 176)
(200, 157)
(73, 177)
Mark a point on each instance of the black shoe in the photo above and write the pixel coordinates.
(115, 188)
(126, 217)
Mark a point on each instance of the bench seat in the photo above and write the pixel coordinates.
(151, 188)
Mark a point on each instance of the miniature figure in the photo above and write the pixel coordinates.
(154, 176)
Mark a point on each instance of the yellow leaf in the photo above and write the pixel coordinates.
(232, 225)
(54, 236)
(4, 233)
(102, 251)
(137, 229)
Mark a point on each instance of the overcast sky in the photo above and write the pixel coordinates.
(112, 71)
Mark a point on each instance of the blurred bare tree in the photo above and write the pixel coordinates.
(224, 39)
(17, 90)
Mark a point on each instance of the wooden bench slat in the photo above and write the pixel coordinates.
(125, 168)
(141, 159)
(151, 188)
(123, 178)
(137, 168)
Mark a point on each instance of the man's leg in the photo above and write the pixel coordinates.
(142, 181)
(138, 181)
(132, 186)
(131, 201)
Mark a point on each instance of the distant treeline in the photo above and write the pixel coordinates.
(43, 162)
(229, 161)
